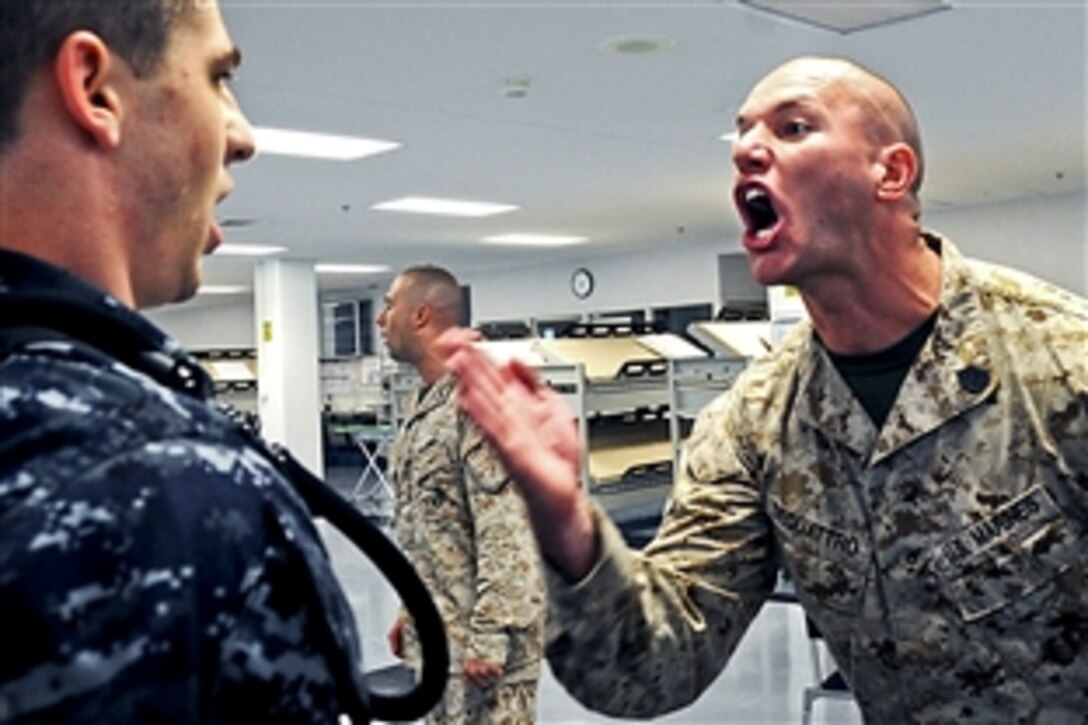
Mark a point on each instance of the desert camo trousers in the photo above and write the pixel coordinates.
(506, 703)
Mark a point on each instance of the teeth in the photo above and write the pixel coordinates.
(754, 193)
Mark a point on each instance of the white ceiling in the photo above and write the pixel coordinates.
(624, 149)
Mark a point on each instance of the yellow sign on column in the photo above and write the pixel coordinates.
(266, 330)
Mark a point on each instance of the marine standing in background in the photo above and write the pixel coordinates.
(461, 522)
(914, 456)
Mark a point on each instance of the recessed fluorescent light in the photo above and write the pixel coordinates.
(351, 268)
(533, 240)
(249, 250)
(730, 137)
(445, 207)
(223, 289)
(317, 145)
(848, 16)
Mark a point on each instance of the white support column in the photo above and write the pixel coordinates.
(288, 339)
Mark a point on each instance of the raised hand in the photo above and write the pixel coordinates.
(535, 433)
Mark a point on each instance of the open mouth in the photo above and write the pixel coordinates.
(757, 209)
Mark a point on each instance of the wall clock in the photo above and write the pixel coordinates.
(581, 283)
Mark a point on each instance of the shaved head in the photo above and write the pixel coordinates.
(888, 116)
(438, 288)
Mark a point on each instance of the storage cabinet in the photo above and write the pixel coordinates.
(234, 373)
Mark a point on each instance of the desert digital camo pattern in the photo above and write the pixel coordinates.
(462, 523)
(153, 567)
(943, 557)
(512, 701)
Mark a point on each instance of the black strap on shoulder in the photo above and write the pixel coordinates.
(33, 319)
(13, 339)
(324, 501)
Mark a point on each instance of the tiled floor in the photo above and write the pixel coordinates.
(762, 684)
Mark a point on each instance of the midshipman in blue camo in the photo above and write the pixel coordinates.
(154, 567)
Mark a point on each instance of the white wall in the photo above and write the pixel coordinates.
(678, 273)
(1046, 237)
(228, 323)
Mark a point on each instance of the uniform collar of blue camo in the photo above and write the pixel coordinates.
(23, 277)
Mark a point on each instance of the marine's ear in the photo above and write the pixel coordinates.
(422, 315)
(83, 67)
(897, 168)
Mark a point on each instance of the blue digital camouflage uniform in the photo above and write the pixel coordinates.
(153, 567)
(463, 525)
(944, 557)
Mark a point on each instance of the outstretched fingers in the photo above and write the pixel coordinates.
(484, 391)
(534, 431)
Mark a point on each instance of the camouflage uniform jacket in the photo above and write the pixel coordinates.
(462, 523)
(153, 567)
(943, 557)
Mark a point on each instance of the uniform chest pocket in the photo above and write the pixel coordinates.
(828, 563)
(436, 490)
(1024, 545)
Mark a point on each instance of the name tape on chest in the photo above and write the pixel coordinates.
(1014, 520)
(825, 538)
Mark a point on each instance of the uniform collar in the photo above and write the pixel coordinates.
(23, 276)
(954, 372)
(436, 395)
